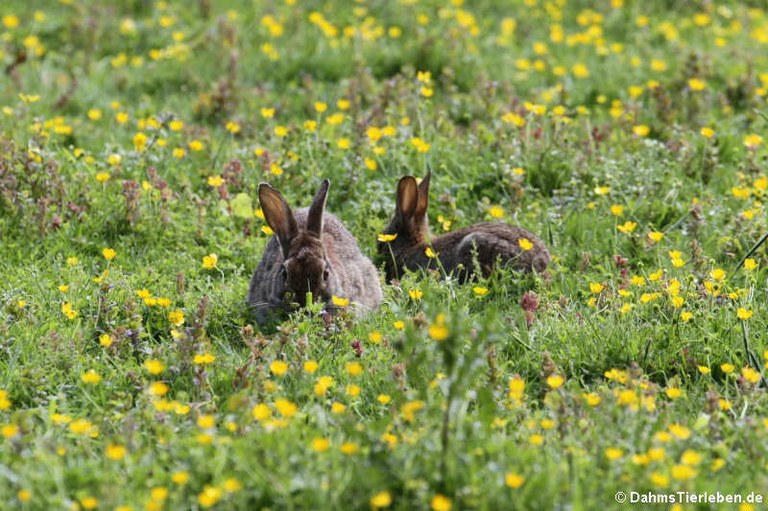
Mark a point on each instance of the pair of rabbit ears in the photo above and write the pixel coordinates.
(280, 218)
(412, 197)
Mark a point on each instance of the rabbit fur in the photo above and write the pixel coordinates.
(492, 242)
(311, 251)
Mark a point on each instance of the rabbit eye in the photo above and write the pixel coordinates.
(283, 272)
(326, 273)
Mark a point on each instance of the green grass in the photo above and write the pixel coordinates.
(140, 382)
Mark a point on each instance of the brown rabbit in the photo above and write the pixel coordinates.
(455, 251)
(313, 252)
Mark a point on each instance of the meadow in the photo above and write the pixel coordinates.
(629, 135)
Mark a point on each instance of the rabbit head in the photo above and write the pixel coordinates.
(305, 267)
(487, 243)
(409, 224)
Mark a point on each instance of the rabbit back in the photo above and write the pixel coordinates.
(491, 243)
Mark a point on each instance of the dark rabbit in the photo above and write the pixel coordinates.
(311, 251)
(492, 242)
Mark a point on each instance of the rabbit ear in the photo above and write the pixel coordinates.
(421, 208)
(315, 215)
(278, 215)
(407, 197)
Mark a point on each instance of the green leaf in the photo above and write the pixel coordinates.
(242, 206)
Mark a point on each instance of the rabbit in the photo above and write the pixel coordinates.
(455, 251)
(313, 252)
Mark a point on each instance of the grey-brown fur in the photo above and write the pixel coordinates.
(311, 251)
(492, 242)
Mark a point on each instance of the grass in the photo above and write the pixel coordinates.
(628, 135)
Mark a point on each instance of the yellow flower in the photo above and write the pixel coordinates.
(602, 190)
(384, 399)
(115, 452)
(154, 366)
(320, 444)
(580, 70)
(381, 500)
(743, 313)
(555, 381)
(707, 132)
(310, 366)
(68, 310)
(750, 374)
(438, 332)
(354, 368)
(386, 238)
(750, 264)
(232, 127)
(480, 290)
(753, 140)
(215, 181)
(420, 145)
(659, 480)
(627, 227)
(513, 480)
(441, 503)
(320, 107)
(339, 302)
(641, 130)
(9, 430)
(613, 453)
(673, 392)
(89, 503)
(158, 388)
(82, 427)
(176, 317)
(592, 399)
(204, 358)
(209, 261)
(210, 496)
(278, 367)
(717, 274)
(206, 422)
(24, 495)
(683, 472)
(415, 294)
(90, 377)
(513, 118)
(431, 254)
(11, 21)
(496, 211)
(196, 146)
(286, 408)
(696, 84)
(596, 287)
(109, 254)
(679, 431)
